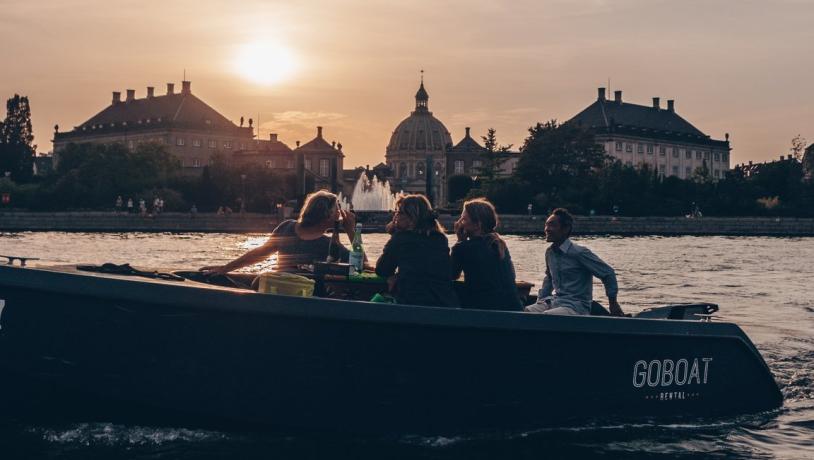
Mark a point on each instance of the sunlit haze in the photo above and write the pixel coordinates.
(732, 66)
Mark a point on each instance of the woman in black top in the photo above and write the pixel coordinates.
(482, 255)
(419, 250)
(302, 241)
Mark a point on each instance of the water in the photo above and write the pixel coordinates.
(766, 285)
(370, 195)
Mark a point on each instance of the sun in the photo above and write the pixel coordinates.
(265, 62)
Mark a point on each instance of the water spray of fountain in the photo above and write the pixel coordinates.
(369, 195)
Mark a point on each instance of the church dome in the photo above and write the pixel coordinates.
(420, 132)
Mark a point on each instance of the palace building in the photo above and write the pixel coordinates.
(653, 135)
(194, 132)
(422, 157)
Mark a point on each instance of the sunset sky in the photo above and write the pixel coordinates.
(736, 66)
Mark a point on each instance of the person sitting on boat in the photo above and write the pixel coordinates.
(570, 268)
(482, 255)
(302, 241)
(419, 250)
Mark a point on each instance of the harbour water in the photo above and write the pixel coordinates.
(766, 285)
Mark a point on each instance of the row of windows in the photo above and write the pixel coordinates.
(289, 164)
(688, 171)
(675, 151)
(211, 143)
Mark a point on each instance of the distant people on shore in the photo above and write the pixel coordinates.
(482, 256)
(416, 259)
(301, 241)
(193, 211)
(119, 204)
(130, 209)
(570, 268)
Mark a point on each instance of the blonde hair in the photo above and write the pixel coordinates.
(317, 208)
(482, 213)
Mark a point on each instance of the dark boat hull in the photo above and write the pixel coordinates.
(226, 357)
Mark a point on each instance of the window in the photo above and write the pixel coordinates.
(662, 168)
(180, 141)
(242, 146)
(698, 155)
(706, 155)
(675, 170)
(196, 142)
(227, 144)
(687, 154)
(687, 172)
(650, 149)
(641, 148)
(459, 166)
(308, 164)
(629, 147)
(724, 156)
(477, 164)
(196, 163)
(213, 144)
(662, 150)
(419, 169)
(618, 146)
(269, 164)
(324, 167)
(289, 164)
(717, 156)
(675, 153)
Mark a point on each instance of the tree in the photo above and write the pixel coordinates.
(16, 138)
(459, 185)
(558, 158)
(492, 157)
(798, 147)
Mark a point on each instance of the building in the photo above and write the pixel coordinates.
(189, 128)
(655, 136)
(421, 156)
(808, 163)
(322, 162)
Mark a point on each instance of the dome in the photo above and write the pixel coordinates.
(420, 131)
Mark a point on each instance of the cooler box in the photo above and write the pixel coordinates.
(285, 284)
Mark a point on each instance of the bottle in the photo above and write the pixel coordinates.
(357, 253)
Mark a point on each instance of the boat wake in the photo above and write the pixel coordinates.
(107, 434)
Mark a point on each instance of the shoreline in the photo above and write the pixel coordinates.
(374, 222)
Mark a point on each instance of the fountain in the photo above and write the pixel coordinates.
(369, 195)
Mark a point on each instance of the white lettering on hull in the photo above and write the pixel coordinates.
(666, 372)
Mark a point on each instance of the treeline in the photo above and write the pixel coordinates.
(92, 176)
(562, 166)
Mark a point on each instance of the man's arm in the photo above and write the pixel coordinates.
(598, 268)
(548, 286)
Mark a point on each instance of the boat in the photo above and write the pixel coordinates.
(166, 348)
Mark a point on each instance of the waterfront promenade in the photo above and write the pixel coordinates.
(518, 224)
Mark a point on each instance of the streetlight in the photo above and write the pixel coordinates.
(242, 193)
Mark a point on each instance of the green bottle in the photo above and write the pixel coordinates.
(357, 253)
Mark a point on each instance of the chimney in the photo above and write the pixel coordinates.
(617, 96)
(600, 94)
(319, 132)
(467, 131)
(150, 92)
(298, 144)
(186, 87)
(671, 105)
(131, 95)
(273, 137)
(117, 97)
(170, 88)
(333, 144)
(656, 104)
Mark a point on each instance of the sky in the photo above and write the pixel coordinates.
(733, 66)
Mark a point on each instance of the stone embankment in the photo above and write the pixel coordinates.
(261, 223)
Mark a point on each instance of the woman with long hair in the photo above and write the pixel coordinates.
(482, 255)
(301, 241)
(417, 254)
